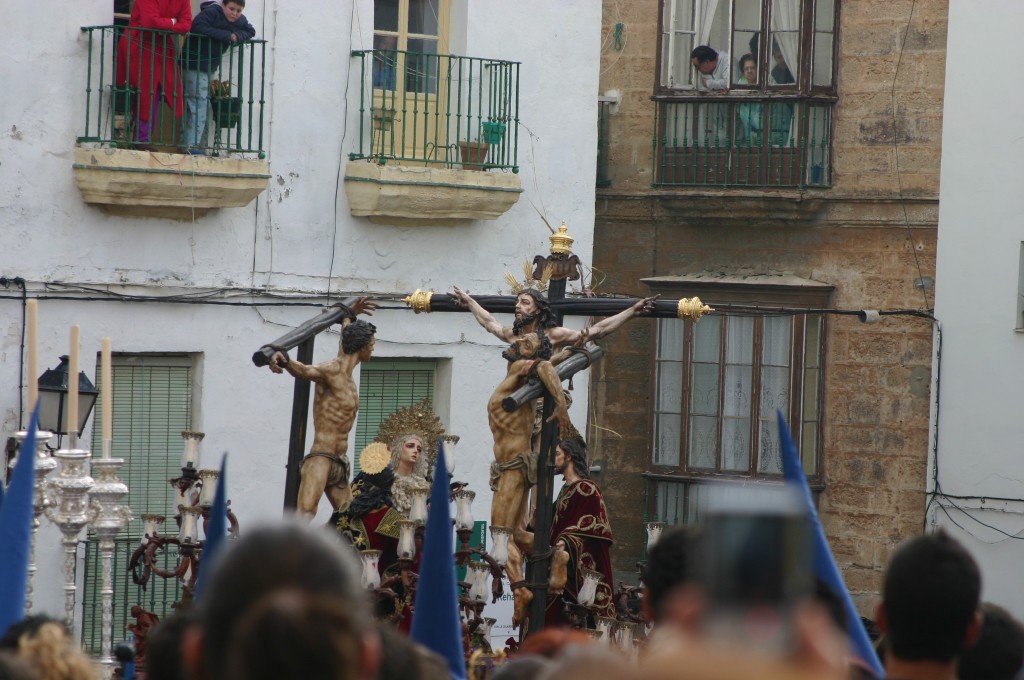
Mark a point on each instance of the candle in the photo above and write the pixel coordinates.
(32, 331)
(72, 421)
(107, 376)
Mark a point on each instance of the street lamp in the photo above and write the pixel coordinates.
(53, 394)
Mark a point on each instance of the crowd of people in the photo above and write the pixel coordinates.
(286, 601)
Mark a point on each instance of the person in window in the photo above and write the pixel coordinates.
(781, 113)
(384, 61)
(750, 117)
(216, 28)
(146, 60)
(781, 75)
(712, 68)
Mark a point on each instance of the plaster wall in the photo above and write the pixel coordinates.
(978, 296)
(297, 237)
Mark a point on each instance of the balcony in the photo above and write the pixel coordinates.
(120, 170)
(752, 141)
(437, 141)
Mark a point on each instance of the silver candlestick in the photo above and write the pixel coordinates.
(45, 464)
(69, 490)
(108, 518)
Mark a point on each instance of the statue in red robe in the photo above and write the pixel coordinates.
(581, 529)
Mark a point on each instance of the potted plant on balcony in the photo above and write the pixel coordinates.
(227, 110)
(473, 154)
(494, 129)
(122, 103)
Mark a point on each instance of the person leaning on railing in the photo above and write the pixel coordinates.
(146, 59)
(216, 28)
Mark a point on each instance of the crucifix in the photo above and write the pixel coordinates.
(555, 270)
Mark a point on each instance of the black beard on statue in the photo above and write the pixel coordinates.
(512, 354)
(520, 322)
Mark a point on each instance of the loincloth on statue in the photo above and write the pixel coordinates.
(527, 461)
(338, 475)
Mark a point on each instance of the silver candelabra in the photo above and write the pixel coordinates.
(108, 518)
(69, 510)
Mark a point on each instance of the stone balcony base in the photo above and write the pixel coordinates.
(170, 185)
(427, 196)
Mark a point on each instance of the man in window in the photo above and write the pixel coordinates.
(712, 68)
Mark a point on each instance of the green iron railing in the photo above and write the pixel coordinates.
(437, 109)
(131, 69)
(748, 141)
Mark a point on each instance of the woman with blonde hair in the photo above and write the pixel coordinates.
(45, 646)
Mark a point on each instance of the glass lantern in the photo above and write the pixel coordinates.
(418, 511)
(189, 523)
(407, 538)
(464, 509)
(499, 551)
(588, 591)
(370, 560)
(654, 530)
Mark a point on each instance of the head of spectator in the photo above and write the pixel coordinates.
(163, 646)
(593, 662)
(551, 642)
(408, 660)
(748, 66)
(13, 668)
(669, 567)
(49, 651)
(998, 653)
(275, 581)
(929, 609)
(704, 59)
(522, 667)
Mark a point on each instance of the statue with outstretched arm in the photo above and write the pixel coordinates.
(325, 469)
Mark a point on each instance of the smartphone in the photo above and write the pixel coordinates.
(756, 564)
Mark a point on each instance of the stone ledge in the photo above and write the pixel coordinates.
(422, 196)
(155, 184)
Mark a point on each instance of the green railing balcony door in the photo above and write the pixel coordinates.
(437, 109)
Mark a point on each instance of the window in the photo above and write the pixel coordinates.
(153, 403)
(384, 387)
(768, 120)
(797, 57)
(718, 384)
(720, 381)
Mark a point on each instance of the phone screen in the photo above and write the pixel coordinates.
(756, 566)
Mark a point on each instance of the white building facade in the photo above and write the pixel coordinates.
(976, 479)
(187, 300)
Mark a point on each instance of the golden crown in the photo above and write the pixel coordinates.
(528, 281)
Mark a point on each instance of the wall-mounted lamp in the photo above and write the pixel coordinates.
(53, 395)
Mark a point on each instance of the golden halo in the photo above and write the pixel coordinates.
(374, 458)
(420, 420)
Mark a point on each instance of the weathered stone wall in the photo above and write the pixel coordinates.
(858, 236)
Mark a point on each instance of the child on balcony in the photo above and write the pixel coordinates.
(216, 28)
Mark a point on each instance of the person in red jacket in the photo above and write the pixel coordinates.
(146, 59)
